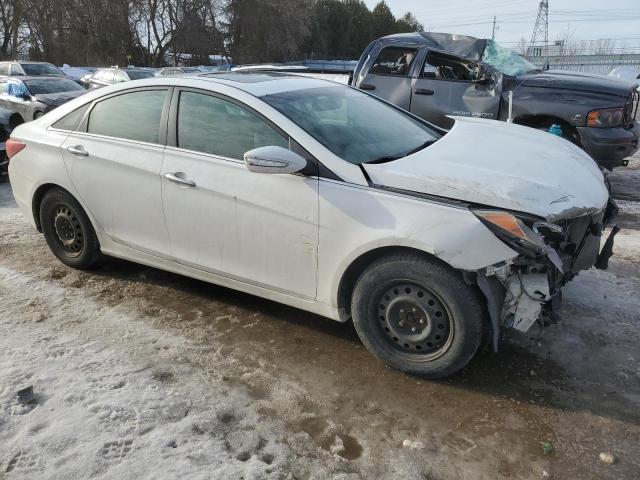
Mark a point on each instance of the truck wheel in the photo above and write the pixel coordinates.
(417, 315)
(68, 231)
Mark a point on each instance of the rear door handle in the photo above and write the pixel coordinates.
(176, 178)
(424, 91)
(78, 150)
(367, 86)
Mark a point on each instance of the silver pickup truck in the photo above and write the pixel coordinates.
(437, 75)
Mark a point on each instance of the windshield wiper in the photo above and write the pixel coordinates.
(390, 158)
(420, 147)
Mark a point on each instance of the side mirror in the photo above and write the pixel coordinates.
(273, 159)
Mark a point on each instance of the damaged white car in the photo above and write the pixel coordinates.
(321, 197)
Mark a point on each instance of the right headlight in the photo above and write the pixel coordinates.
(512, 231)
(607, 117)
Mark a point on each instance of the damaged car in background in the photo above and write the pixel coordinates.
(433, 242)
(438, 75)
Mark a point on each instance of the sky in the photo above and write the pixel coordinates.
(583, 19)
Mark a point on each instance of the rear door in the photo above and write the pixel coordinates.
(114, 161)
(389, 77)
(450, 85)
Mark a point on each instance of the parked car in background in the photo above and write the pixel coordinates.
(437, 75)
(77, 72)
(5, 131)
(108, 76)
(283, 186)
(31, 97)
(170, 71)
(32, 69)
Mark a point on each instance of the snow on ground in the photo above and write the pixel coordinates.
(140, 373)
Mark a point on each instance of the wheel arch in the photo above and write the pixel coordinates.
(538, 121)
(359, 264)
(36, 201)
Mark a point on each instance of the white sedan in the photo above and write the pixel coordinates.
(321, 197)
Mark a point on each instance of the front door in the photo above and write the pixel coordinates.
(115, 163)
(389, 77)
(449, 85)
(261, 229)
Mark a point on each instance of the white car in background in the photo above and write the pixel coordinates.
(321, 197)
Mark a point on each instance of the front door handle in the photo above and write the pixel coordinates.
(424, 91)
(78, 150)
(367, 86)
(177, 178)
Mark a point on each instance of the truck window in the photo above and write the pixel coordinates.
(446, 67)
(394, 61)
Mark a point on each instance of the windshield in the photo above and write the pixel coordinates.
(355, 126)
(40, 69)
(51, 85)
(139, 74)
(506, 61)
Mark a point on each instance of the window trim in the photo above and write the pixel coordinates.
(162, 133)
(409, 73)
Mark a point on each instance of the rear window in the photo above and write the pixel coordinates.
(41, 69)
(51, 85)
(140, 74)
(133, 116)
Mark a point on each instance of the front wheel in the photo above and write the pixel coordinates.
(37, 115)
(68, 231)
(417, 315)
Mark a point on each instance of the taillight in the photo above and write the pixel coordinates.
(13, 146)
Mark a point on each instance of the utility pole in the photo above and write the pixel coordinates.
(541, 28)
(493, 32)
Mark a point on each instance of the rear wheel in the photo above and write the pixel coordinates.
(417, 315)
(37, 115)
(68, 231)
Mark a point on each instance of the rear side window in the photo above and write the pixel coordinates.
(71, 120)
(394, 61)
(4, 69)
(212, 125)
(132, 116)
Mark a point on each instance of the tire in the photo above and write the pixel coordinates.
(37, 115)
(417, 315)
(68, 231)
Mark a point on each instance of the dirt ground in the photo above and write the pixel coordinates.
(140, 373)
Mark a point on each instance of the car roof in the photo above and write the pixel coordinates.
(262, 83)
(460, 45)
(25, 62)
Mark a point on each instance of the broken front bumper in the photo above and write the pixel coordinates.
(520, 293)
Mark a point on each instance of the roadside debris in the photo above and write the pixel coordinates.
(607, 458)
(547, 447)
(26, 395)
(413, 445)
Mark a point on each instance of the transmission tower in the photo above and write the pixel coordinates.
(541, 28)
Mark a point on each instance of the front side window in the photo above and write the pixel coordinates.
(394, 61)
(41, 69)
(357, 127)
(212, 125)
(132, 116)
(52, 85)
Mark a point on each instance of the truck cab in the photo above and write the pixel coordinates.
(438, 76)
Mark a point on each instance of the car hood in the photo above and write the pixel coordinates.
(57, 99)
(501, 165)
(578, 81)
